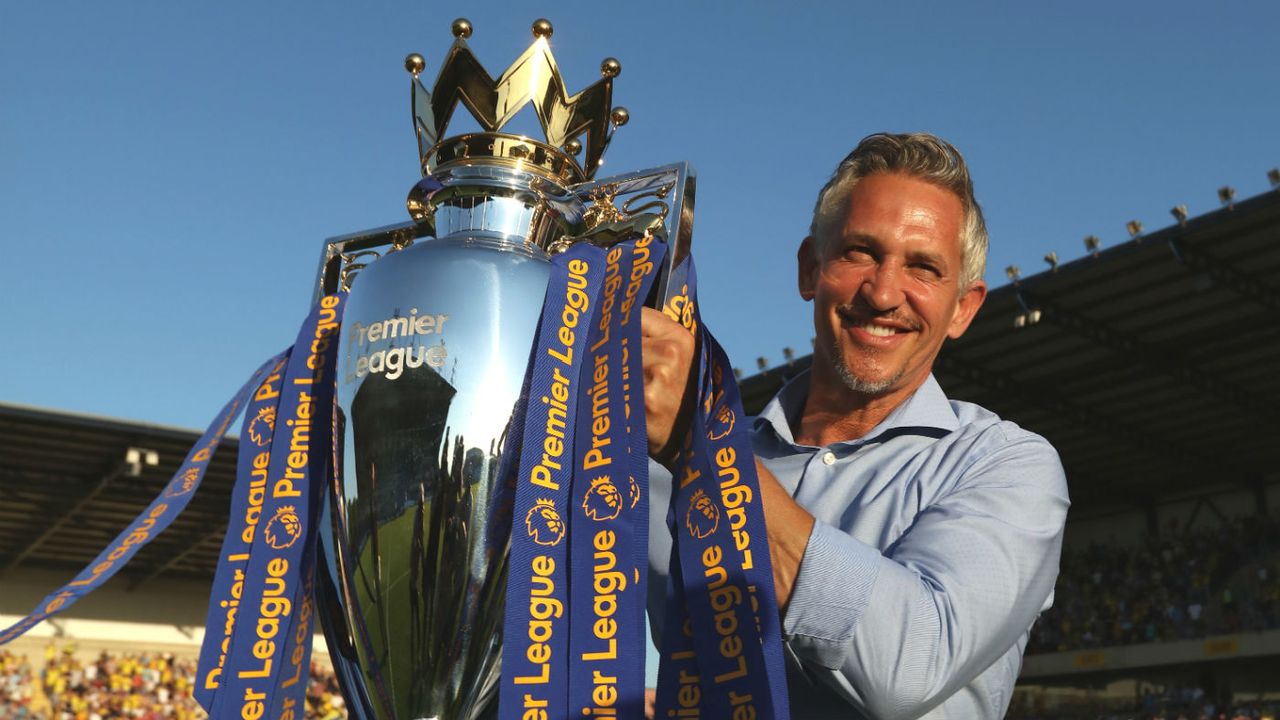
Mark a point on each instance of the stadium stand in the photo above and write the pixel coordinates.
(1174, 587)
(1149, 365)
(74, 685)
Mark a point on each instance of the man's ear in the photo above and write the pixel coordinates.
(808, 264)
(970, 301)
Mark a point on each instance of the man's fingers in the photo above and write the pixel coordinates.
(655, 324)
(657, 330)
(649, 321)
(667, 355)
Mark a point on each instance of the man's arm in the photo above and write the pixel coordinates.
(900, 630)
(789, 527)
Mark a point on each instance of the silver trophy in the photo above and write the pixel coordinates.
(434, 347)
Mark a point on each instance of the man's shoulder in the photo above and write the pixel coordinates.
(974, 419)
(990, 441)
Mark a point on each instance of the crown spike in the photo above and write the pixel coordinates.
(533, 79)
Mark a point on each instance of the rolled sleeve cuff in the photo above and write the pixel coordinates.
(830, 594)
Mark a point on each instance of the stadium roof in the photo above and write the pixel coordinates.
(1151, 366)
(67, 488)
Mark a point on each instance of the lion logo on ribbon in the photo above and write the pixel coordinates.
(703, 517)
(603, 501)
(680, 309)
(262, 425)
(183, 483)
(721, 424)
(543, 523)
(634, 491)
(284, 528)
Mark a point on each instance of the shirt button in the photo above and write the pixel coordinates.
(828, 458)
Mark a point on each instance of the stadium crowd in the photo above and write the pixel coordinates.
(142, 686)
(17, 684)
(1177, 586)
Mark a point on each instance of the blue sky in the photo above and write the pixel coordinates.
(168, 171)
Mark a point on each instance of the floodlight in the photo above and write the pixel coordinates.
(1273, 176)
(1026, 319)
(135, 458)
(1013, 272)
(788, 353)
(1179, 213)
(1052, 259)
(1092, 243)
(761, 363)
(1227, 196)
(1134, 227)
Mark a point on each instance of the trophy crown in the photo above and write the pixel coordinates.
(533, 79)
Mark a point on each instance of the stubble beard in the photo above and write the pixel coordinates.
(855, 383)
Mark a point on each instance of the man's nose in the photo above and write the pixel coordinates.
(882, 290)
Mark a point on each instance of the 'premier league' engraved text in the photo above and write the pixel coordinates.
(392, 361)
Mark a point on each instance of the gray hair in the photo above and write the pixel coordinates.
(919, 155)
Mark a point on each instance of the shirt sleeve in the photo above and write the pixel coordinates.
(900, 630)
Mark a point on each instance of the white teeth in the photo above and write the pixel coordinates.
(878, 330)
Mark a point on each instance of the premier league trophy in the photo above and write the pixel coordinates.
(433, 351)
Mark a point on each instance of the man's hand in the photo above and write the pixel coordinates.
(668, 350)
(668, 401)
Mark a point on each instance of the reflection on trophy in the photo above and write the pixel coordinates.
(434, 348)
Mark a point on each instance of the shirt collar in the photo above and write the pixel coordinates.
(927, 407)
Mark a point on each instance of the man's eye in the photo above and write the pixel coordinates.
(927, 269)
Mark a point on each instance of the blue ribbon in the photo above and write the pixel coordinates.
(150, 523)
(256, 432)
(607, 635)
(722, 649)
(267, 661)
(646, 260)
(535, 661)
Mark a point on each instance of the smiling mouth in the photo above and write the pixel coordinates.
(878, 330)
(876, 327)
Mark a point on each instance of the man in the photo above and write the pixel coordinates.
(914, 539)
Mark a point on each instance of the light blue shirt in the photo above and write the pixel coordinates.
(935, 546)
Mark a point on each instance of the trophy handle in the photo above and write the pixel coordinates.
(345, 255)
(666, 193)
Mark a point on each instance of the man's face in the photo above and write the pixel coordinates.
(885, 285)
